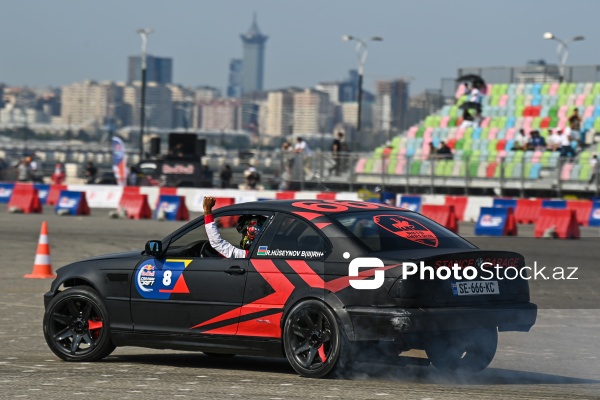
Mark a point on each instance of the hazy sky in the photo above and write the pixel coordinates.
(59, 42)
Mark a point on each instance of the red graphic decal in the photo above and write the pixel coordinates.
(282, 286)
(180, 287)
(335, 285)
(320, 206)
(225, 330)
(322, 225)
(308, 215)
(407, 228)
(267, 326)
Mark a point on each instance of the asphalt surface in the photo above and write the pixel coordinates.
(559, 358)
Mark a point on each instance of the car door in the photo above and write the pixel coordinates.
(188, 292)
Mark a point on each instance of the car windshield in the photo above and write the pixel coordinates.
(398, 230)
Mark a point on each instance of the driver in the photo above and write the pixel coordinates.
(248, 225)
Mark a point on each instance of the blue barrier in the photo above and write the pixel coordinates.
(505, 203)
(171, 207)
(43, 191)
(496, 221)
(6, 190)
(595, 214)
(388, 198)
(412, 203)
(72, 203)
(557, 204)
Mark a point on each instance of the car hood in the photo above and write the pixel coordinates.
(116, 256)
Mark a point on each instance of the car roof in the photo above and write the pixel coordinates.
(325, 207)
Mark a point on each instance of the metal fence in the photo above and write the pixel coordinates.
(352, 171)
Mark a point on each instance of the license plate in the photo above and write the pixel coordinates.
(475, 287)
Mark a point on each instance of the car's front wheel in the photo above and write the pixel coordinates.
(463, 351)
(313, 341)
(76, 326)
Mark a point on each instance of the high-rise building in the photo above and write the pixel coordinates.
(311, 112)
(90, 102)
(280, 113)
(159, 105)
(158, 69)
(391, 105)
(253, 59)
(234, 86)
(220, 115)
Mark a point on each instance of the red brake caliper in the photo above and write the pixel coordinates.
(321, 352)
(93, 325)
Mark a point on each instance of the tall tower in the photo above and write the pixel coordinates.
(254, 59)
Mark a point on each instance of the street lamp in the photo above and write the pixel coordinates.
(144, 34)
(361, 53)
(562, 50)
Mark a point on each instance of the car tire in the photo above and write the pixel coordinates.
(463, 351)
(314, 343)
(76, 325)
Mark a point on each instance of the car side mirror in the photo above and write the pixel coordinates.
(154, 248)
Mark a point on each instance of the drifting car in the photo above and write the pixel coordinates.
(294, 295)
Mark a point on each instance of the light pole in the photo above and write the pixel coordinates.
(562, 50)
(144, 34)
(361, 53)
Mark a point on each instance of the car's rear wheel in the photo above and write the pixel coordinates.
(463, 351)
(76, 326)
(313, 341)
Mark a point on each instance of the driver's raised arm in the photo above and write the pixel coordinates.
(221, 245)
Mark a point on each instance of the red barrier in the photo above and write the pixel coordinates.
(227, 221)
(288, 195)
(171, 191)
(326, 196)
(135, 205)
(460, 205)
(564, 221)
(511, 228)
(25, 198)
(583, 209)
(527, 210)
(444, 215)
(54, 194)
(131, 189)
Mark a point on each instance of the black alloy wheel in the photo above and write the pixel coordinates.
(76, 326)
(313, 342)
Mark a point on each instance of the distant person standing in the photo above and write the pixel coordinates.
(575, 125)
(58, 176)
(336, 149)
(90, 172)
(303, 154)
(2, 169)
(23, 173)
(226, 175)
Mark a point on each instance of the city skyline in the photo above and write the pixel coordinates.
(72, 41)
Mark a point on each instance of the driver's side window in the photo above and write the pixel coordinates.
(190, 243)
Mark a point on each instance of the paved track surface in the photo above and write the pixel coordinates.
(559, 358)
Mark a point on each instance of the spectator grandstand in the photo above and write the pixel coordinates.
(483, 155)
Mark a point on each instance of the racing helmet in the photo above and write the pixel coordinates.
(249, 226)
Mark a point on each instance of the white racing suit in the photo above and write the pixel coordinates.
(221, 245)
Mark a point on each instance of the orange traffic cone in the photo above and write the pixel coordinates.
(41, 266)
